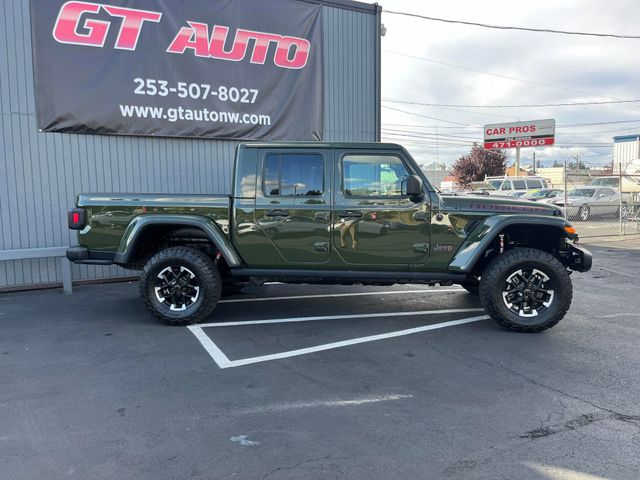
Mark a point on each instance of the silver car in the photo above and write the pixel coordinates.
(587, 202)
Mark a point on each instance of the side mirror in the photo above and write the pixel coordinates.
(414, 186)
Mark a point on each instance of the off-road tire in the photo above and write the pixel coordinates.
(206, 273)
(494, 279)
(472, 287)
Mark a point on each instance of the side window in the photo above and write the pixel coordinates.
(372, 176)
(293, 174)
(506, 185)
(544, 184)
(519, 185)
(531, 184)
(607, 192)
(554, 194)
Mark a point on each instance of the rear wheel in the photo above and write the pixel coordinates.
(526, 290)
(583, 213)
(180, 286)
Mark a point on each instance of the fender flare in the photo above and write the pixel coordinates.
(208, 226)
(483, 234)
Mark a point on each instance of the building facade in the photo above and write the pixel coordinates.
(41, 173)
(626, 149)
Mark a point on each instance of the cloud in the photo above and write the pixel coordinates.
(574, 68)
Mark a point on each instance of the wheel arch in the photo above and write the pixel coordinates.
(189, 225)
(473, 253)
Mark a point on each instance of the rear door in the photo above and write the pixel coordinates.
(374, 223)
(293, 203)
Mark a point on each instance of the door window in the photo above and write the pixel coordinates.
(293, 174)
(506, 185)
(519, 185)
(373, 176)
(531, 184)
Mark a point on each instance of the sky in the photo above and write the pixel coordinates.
(433, 62)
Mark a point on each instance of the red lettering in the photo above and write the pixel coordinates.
(132, 21)
(300, 55)
(219, 38)
(194, 37)
(261, 47)
(68, 21)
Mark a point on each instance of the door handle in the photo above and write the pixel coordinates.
(350, 214)
(277, 213)
(321, 246)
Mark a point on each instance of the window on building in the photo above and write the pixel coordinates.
(293, 174)
(373, 176)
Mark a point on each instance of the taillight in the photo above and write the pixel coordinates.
(76, 218)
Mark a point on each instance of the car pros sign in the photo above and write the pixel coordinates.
(234, 69)
(536, 133)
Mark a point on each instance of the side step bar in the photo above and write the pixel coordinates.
(398, 277)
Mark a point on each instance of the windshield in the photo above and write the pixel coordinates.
(608, 182)
(582, 192)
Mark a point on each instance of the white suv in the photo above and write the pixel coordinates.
(514, 185)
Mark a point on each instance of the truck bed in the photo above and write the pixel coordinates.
(109, 214)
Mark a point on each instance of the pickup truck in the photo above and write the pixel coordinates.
(333, 213)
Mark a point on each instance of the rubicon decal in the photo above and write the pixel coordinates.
(78, 24)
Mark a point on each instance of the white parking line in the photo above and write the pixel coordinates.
(223, 361)
(337, 317)
(333, 295)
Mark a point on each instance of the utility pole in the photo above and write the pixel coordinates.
(534, 163)
(517, 161)
(565, 190)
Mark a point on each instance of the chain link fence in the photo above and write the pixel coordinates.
(600, 205)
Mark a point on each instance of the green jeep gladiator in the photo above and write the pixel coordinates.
(333, 213)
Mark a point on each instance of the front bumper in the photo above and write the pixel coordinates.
(577, 258)
(90, 257)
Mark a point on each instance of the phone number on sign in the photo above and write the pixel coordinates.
(536, 142)
(202, 91)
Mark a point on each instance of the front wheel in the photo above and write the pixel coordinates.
(180, 285)
(583, 214)
(526, 290)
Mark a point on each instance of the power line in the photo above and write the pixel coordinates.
(505, 27)
(425, 116)
(469, 69)
(531, 105)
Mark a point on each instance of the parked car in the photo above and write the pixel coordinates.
(587, 202)
(630, 184)
(358, 213)
(544, 195)
(510, 185)
(480, 188)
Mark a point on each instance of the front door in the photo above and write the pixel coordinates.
(373, 221)
(293, 203)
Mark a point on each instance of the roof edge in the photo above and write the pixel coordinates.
(362, 7)
(623, 138)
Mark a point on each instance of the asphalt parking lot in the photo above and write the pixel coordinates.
(340, 382)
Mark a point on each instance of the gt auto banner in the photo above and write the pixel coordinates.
(232, 69)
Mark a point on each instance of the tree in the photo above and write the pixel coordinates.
(478, 164)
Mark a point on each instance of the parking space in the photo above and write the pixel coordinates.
(322, 382)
